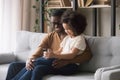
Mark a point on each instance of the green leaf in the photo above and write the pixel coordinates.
(37, 21)
(119, 26)
(34, 6)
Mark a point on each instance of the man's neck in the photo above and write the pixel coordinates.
(62, 35)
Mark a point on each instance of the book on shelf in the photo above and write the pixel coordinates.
(66, 3)
(88, 2)
(81, 3)
(54, 3)
(58, 3)
(84, 3)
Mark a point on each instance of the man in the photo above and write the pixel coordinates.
(52, 41)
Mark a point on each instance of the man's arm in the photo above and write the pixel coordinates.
(38, 53)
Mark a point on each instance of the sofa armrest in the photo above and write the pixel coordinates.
(7, 57)
(107, 73)
(111, 75)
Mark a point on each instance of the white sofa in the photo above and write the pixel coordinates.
(104, 65)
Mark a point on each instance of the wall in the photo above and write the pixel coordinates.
(118, 22)
(88, 14)
(104, 21)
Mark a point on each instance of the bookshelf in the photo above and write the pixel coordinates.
(95, 8)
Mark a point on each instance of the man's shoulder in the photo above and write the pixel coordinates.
(52, 33)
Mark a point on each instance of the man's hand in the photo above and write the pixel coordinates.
(48, 54)
(29, 64)
(60, 63)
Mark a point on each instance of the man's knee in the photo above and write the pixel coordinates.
(12, 64)
(17, 65)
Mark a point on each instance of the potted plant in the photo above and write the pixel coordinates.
(46, 14)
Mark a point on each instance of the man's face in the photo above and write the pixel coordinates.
(56, 24)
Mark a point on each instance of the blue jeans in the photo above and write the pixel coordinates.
(42, 67)
(14, 69)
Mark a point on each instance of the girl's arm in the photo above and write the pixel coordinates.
(50, 54)
(69, 55)
(58, 51)
(59, 55)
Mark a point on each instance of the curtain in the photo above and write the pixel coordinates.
(9, 20)
(15, 15)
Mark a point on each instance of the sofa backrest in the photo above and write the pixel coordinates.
(26, 43)
(105, 51)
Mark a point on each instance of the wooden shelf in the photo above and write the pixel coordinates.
(58, 7)
(99, 6)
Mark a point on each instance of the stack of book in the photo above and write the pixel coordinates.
(58, 3)
(84, 3)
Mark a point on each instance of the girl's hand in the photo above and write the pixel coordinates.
(48, 54)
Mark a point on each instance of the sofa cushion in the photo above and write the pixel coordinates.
(6, 57)
(35, 39)
(105, 52)
(26, 44)
(23, 56)
(22, 41)
(3, 71)
(115, 51)
(79, 76)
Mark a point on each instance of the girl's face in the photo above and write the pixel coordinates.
(68, 30)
